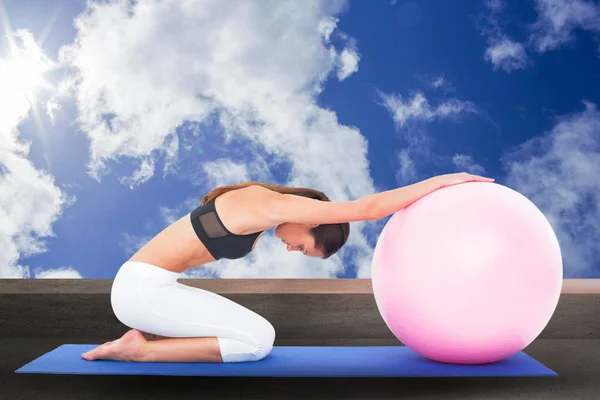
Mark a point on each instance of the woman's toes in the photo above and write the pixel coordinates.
(127, 348)
(98, 352)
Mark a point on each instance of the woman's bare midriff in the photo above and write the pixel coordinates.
(177, 247)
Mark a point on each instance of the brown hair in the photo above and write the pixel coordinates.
(329, 238)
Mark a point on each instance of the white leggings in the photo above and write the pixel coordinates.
(149, 298)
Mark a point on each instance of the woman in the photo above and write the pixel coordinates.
(194, 325)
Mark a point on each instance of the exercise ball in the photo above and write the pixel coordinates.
(468, 274)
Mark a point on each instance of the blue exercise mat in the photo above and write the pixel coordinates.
(292, 361)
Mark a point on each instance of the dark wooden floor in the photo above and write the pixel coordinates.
(577, 361)
(37, 316)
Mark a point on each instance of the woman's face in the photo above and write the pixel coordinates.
(297, 237)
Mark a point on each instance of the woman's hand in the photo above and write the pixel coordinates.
(458, 178)
(388, 202)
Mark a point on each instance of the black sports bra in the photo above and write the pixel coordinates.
(220, 242)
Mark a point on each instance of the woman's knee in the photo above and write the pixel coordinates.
(259, 347)
(266, 341)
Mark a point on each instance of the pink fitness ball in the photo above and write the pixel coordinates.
(468, 274)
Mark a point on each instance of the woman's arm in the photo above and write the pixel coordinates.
(391, 201)
(279, 208)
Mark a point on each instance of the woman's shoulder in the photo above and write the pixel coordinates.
(242, 209)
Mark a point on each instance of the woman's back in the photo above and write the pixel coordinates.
(178, 248)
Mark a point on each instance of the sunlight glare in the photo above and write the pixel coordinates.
(21, 73)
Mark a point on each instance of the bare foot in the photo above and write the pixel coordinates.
(127, 348)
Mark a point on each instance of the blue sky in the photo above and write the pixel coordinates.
(116, 120)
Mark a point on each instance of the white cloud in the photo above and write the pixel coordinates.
(141, 175)
(347, 60)
(494, 5)
(253, 67)
(132, 243)
(465, 163)
(407, 171)
(419, 109)
(326, 26)
(502, 51)
(555, 25)
(507, 55)
(558, 19)
(59, 273)
(438, 82)
(348, 63)
(30, 202)
(559, 173)
(409, 115)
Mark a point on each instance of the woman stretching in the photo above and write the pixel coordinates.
(172, 322)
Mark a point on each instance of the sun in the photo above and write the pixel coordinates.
(21, 77)
(21, 73)
(23, 88)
